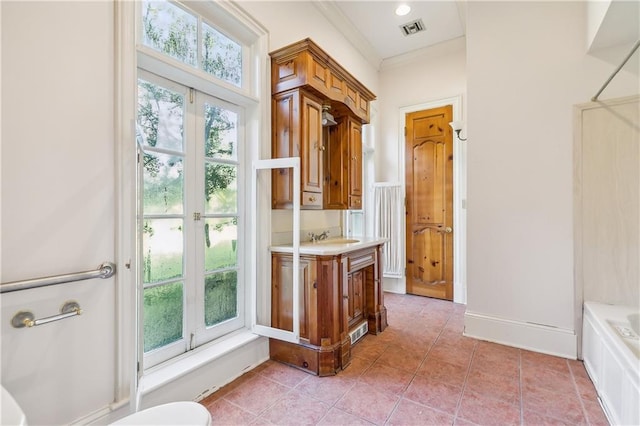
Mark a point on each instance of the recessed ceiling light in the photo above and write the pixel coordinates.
(403, 9)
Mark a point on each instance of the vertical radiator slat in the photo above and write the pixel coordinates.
(388, 222)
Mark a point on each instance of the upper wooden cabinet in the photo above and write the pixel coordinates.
(297, 132)
(305, 80)
(305, 64)
(343, 165)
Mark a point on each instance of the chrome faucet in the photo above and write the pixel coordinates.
(313, 237)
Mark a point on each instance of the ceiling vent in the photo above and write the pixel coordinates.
(412, 27)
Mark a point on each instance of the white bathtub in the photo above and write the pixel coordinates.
(611, 353)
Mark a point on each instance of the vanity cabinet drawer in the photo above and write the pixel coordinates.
(311, 199)
(355, 202)
(359, 260)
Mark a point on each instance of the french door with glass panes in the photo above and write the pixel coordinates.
(190, 148)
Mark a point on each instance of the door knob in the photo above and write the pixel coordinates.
(448, 230)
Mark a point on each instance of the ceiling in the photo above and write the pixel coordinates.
(375, 29)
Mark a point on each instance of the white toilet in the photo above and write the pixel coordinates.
(173, 413)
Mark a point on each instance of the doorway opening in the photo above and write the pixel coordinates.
(436, 240)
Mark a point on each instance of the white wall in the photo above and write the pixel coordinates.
(523, 78)
(58, 203)
(607, 205)
(59, 200)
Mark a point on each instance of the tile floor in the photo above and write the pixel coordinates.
(419, 371)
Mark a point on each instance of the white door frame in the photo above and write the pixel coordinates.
(459, 192)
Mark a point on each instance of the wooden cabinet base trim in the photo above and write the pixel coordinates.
(378, 321)
(320, 361)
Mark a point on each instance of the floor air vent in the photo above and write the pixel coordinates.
(412, 27)
(359, 332)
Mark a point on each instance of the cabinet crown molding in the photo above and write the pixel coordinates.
(304, 63)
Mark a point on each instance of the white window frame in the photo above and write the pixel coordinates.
(252, 97)
(260, 306)
(194, 332)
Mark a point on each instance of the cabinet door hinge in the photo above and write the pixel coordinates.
(196, 216)
(405, 130)
(191, 95)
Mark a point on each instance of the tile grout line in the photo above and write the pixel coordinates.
(575, 388)
(521, 387)
(464, 384)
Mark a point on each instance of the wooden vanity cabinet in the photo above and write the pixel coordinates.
(320, 350)
(339, 292)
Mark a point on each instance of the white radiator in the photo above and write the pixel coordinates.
(389, 223)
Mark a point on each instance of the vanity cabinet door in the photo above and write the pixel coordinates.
(282, 293)
(311, 146)
(297, 132)
(336, 192)
(355, 164)
(356, 297)
(343, 165)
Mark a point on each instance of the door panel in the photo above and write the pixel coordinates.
(429, 203)
(312, 145)
(282, 291)
(428, 265)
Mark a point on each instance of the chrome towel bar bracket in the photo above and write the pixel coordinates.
(106, 270)
(27, 319)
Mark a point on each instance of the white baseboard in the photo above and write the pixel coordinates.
(534, 337)
(394, 285)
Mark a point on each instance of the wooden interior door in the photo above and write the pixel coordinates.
(429, 203)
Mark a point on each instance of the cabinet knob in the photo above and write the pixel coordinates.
(345, 297)
(312, 199)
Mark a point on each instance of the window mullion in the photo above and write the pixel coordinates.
(199, 190)
(199, 44)
(193, 224)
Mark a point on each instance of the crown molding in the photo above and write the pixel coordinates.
(433, 51)
(334, 15)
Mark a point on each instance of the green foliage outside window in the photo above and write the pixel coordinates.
(170, 30)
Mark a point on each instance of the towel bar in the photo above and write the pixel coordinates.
(27, 319)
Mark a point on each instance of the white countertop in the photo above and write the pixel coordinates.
(331, 246)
